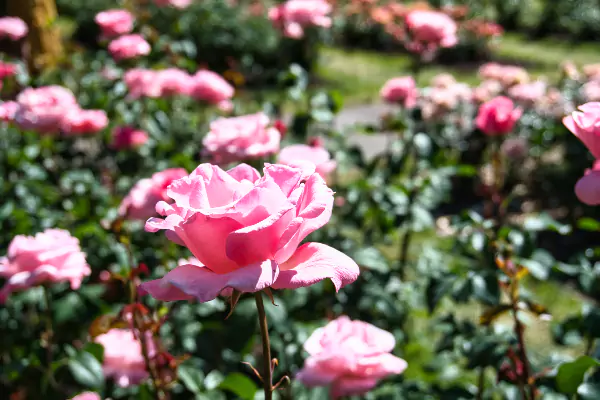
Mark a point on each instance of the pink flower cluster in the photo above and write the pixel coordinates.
(13, 28)
(241, 138)
(507, 75)
(114, 22)
(294, 16)
(246, 230)
(350, 357)
(50, 109)
(129, 46)
(430, 30)
(51, 256)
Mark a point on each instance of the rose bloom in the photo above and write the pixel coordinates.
(431, 29)
(246, 230)
(78, 121)
(181, 4)
(51, 256)
(592, 71)
(507, 75)
(587, 188)
(43, 109)
(114, 22)
(241, 138)
(297, 154)
(486, 91)
(141, 200)
(129, 46)
(400, 90)
(212, 88)
(585, 124)
(350, 357)
(126, 137)
(528, 93)
(174, 81)
(7, 70)
(142, 82)
(13, 28)
(498, 116)
(8, 109)
(591, 91)
(123, 359)
(295, 15)
(87, 396)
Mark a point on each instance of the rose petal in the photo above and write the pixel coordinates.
(244, 172)
(348, 386)
(587, 188)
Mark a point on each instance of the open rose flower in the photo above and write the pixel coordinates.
(585, 124)
(48, 257)
(350, 357)
(297, 154)
(498, 116)
(587, 188)
(8, 109)
(295, 15)
(141, 200)
(402, 90)
(78, 121)
(13, 28)
(241, 138)
(43, 109)
(87, 396)
(430, 29)
(129, 46)
(126, 137)
(212, 88)
(114, 22)
(246, 230)
(123, 359)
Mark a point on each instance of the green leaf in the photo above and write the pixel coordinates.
(544, 222)
(486, 288)
(87, 370)
(570, 375)
(436, 290)
(371, 258)
(239, 384)
(589, 391)
(588, 224)
(191, 377)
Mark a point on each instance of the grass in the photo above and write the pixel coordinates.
(359, 74)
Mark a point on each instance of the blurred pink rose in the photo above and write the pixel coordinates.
(12, 27)
(246, 230)
(350, 356)
(528, 93)
(486, 91)
(142, 82)
(114, 22)
(443, 81)
(43, 109)
(87, 396)
(8, 109)
(498, 116)
(591, 91)
(402, 90)
(78, 121)
(241, 138)
(297, 154)
(48, 257)
(295, 15)
(181, 4)
(123, 359)
(126, 137)
(430, 29)
(587, 188)
(141, 200)
(507, 75)
(210, 87)
(174, 81)
(129, 46)
(7, 70)
(585, 124)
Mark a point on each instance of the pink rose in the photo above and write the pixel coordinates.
(295, 15)
(7, 70)
(126, 137)
(12, 27)
(8, 109)
(486, 91)
(174, 81)
(129, 46)
(87, 396)
(241, 138)
(497, 116)
(507, 75)
(210, 87)
(43, 109)
(246, 230)
(400, 90)
(528, 93)
(78, 121)
(350, 356)
(114, 22)
(141, 200)
(181, 4)
(591, 91)
(430, 30)
(123, 359)
(297, 154)
(587, 188)
(50, 256)
(585, 124)
(142, 82)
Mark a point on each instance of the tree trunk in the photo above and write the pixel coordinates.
(44, 47)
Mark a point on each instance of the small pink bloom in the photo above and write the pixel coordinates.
(585, 124)
(181, 4)
(140, 202)
(246, 230)
(210, 87)
(43, 109)
(507, 75)
(241, 138)
(295, 15)
(87, 396)
(8, 109)
(123, 359)
(174, 81)
(350, 357)
(297, 154)
(587, 188)
(401, 90)
(48, 257)
(78, 121)
(114, 22)
(126, 137)
(142, 82)
(13, 28)
(129, 46)
(528, 93)
(431, 29)
(7, 70)
(591, 91)
(498, 116)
